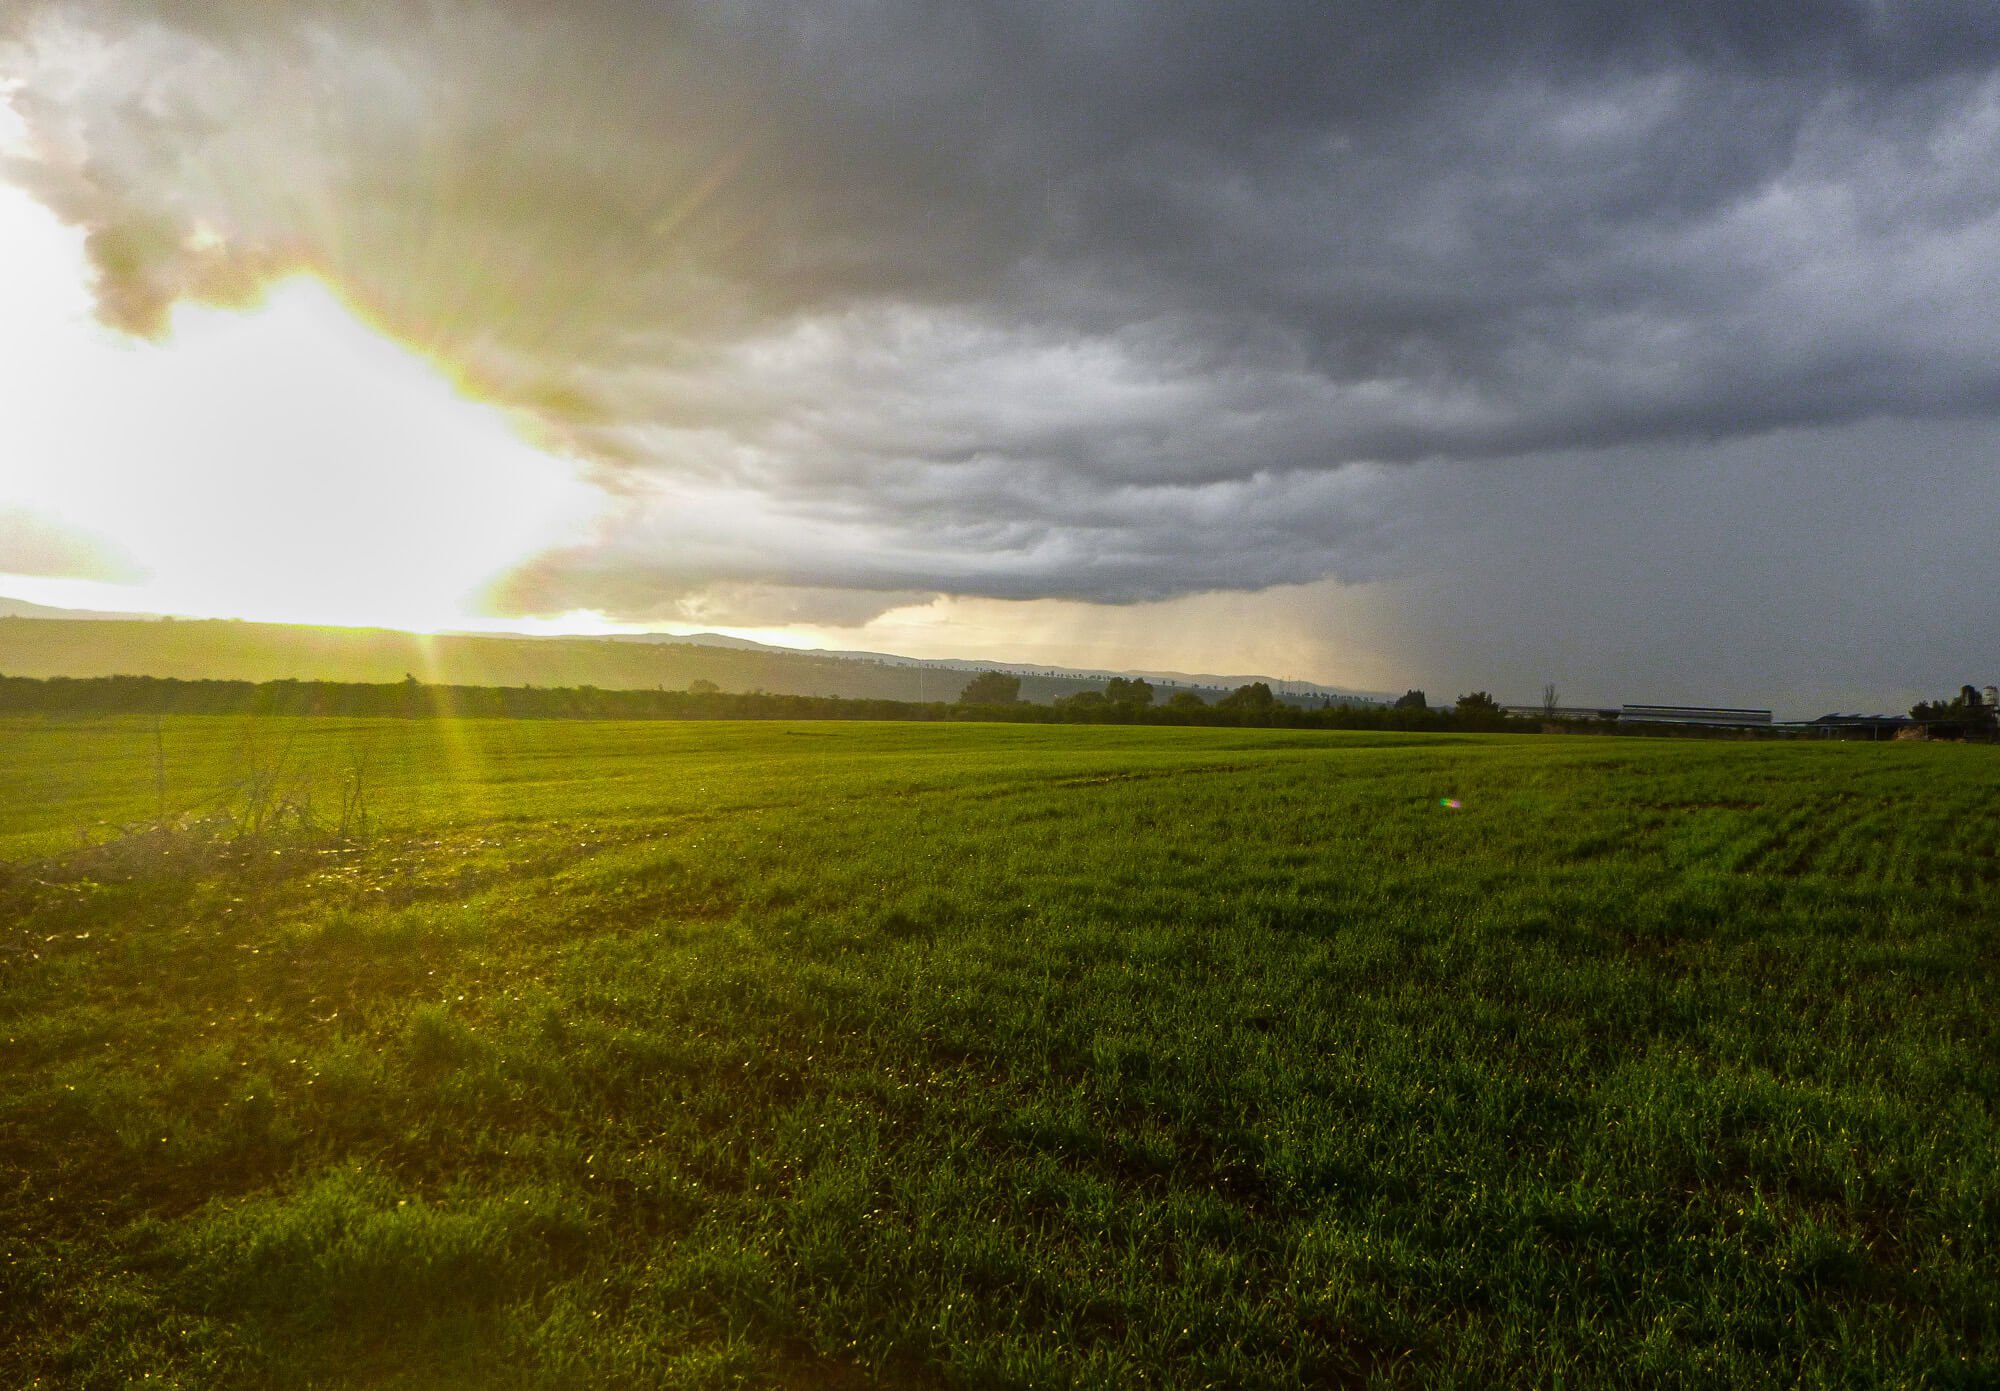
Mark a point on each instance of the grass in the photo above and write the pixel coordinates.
(996, 1056)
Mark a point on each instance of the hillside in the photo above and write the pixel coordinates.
(236, 651)
(35, 641)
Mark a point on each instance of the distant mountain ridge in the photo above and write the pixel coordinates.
(21, 608)
(36, 640)
(1194, 680)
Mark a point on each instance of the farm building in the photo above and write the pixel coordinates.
(1711, 716)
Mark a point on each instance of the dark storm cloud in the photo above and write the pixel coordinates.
(1796, 570)
(1093, 300)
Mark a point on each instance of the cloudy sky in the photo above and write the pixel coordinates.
(1652, 349)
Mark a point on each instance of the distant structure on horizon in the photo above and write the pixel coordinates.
(1712, 716)
(1917, 725)
(1863, 727)
(1707, 716)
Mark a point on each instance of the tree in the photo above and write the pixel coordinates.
(1253, 699)
(1479, 710)
(991, 688)
(1968, 710)
(702, 687)
(1550, 702)
(1090, 703)
(1412, 700)
(1186, 702)
(1137, 691)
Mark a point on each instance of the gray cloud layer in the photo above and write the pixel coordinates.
(1110, 301)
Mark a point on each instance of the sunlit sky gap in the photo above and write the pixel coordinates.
(282, 461)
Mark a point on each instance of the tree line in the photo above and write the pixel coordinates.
(1968, 715)
(987, 696)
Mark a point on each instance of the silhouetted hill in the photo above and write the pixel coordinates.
(39, 641)
(196, 649)
(21, 608)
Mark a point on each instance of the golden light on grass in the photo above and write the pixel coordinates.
(282, 461)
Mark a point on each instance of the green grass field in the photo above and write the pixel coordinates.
(711, 1055)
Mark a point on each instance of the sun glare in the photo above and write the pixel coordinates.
(285, 462)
